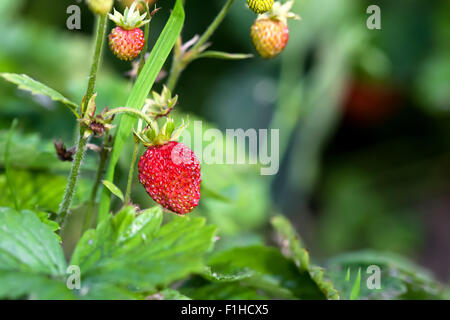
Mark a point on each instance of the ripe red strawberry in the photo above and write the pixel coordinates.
(260, 6)
(270, 33)
(126, 44)
(270, 37)
(171, 175)
(127, 39)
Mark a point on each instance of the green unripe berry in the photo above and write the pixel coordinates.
(101, 7)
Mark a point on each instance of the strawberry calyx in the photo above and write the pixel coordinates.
(159, 106)
(280, 12)
(95, 124)
(153, 136)
(130, 19)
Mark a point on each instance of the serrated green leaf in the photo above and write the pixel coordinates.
(221, 277)
(26, 83)
(119, 234)
(31, 259)
(140, 91)
(274, 274)
(114, 189)
(291, 246)
(134, 252)
(44, 217)
(26, 244)
(20, 285)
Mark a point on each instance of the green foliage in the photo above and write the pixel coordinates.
(31, 152)
(292, 247)
(354, 294)
(26, 83)
(40, 191)
(140, 91)
(128, 256)
(130, 251)
(31, 259)
(113, 189)
(263, 269)
(8, 164)
(400, 278)
(259, 272)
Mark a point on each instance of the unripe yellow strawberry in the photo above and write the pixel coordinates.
(270, 32)
(260, 6)
(270, 37)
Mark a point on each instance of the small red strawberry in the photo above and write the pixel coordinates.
(168, 170)
(127, 39)
(270, 33)
(170, 173)
(260, 6)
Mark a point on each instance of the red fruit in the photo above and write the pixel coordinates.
(126, 44)
(270, 37)
(170, 173)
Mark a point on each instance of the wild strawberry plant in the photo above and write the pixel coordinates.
(132, 253)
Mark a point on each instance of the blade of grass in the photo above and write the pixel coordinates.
(7, 164)
(139, 93)
(354, 295)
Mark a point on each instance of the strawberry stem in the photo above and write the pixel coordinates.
(182, 59)
(83, 140)
(102, 22)
(72, 181)
(104, 153)
(146, 33)
(131, 172)
(129, 111)
(213, 26)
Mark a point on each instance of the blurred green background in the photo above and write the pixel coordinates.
(364, 119)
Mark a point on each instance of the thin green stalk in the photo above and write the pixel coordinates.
(181, 59)
(175, 72)
(213, 26)
(104, 152)
(102, 22)
(72, 181)
(131, 172)
(146, 33)
(130, 111)
(82, 142)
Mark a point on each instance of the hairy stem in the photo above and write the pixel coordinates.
(72, 181)
(131, 171)
(104, 153)
(99, 42)
(82, 142)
